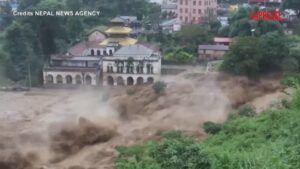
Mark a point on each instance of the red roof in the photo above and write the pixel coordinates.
(80, 47)
(262, 1)
(222, 40)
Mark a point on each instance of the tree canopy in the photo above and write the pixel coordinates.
(241, 25)
(252, 55)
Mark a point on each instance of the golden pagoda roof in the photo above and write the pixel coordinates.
(122, 41)
(118, 30)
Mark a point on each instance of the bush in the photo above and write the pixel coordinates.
(175, 151)
(180, 152)
(212, 128)
(130, 91)
(159, 87)
(247, 110)
(179, 56)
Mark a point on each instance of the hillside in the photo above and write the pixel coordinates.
(246, 141)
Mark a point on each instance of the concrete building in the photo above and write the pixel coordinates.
(195, 11)
(211, 52)
(170, 26)
(97, 60)
(132, 65)
(223, 41)
(169, 6)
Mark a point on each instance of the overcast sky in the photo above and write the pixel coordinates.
(157, 1)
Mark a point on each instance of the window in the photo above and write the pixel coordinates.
(129, 68)
(181, 2)
(140, 68)
(180, 18)
(149, 69)
(200, 3)
(120, 68)
(98, 52)
(199, 11)
(180, 10)
(186, 2)
(186, 19)
(186, 10)
(194, 10)
(194, 3)
(110, 69)
(92, 52)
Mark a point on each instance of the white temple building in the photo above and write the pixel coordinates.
(105, 58)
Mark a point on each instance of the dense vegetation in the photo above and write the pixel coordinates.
(240, 24)
(255, 55)
(246, 141)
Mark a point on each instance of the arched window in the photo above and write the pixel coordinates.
(150, 80)
(120, 67)
(88, 80)
(140, 81)
(59, 79)
(120, 81)
(110, 80)
(130, 81)
(92, 52)
(78, 79)
(49, 79)
(110, 68)
(69, 79)
(98, 52)
(110, 52)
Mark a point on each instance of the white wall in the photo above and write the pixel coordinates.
(93, 75)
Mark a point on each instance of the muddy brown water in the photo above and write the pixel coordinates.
(42, 128)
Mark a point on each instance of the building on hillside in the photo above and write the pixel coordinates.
(118, 34)
(195, 11)
(132, 65)
(80, 65)
(170, 26)
(88, 62)
(97, 36)
(169, 6)
(211, 52)
(223, 41)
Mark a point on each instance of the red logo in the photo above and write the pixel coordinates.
(267, 15)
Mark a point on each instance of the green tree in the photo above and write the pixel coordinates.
(241, 24)
(243, 57)
(159, 87)
(274, 50)
(193, 35)
(251, 55)
(179, 56)
(6, 17)
(18, 50)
